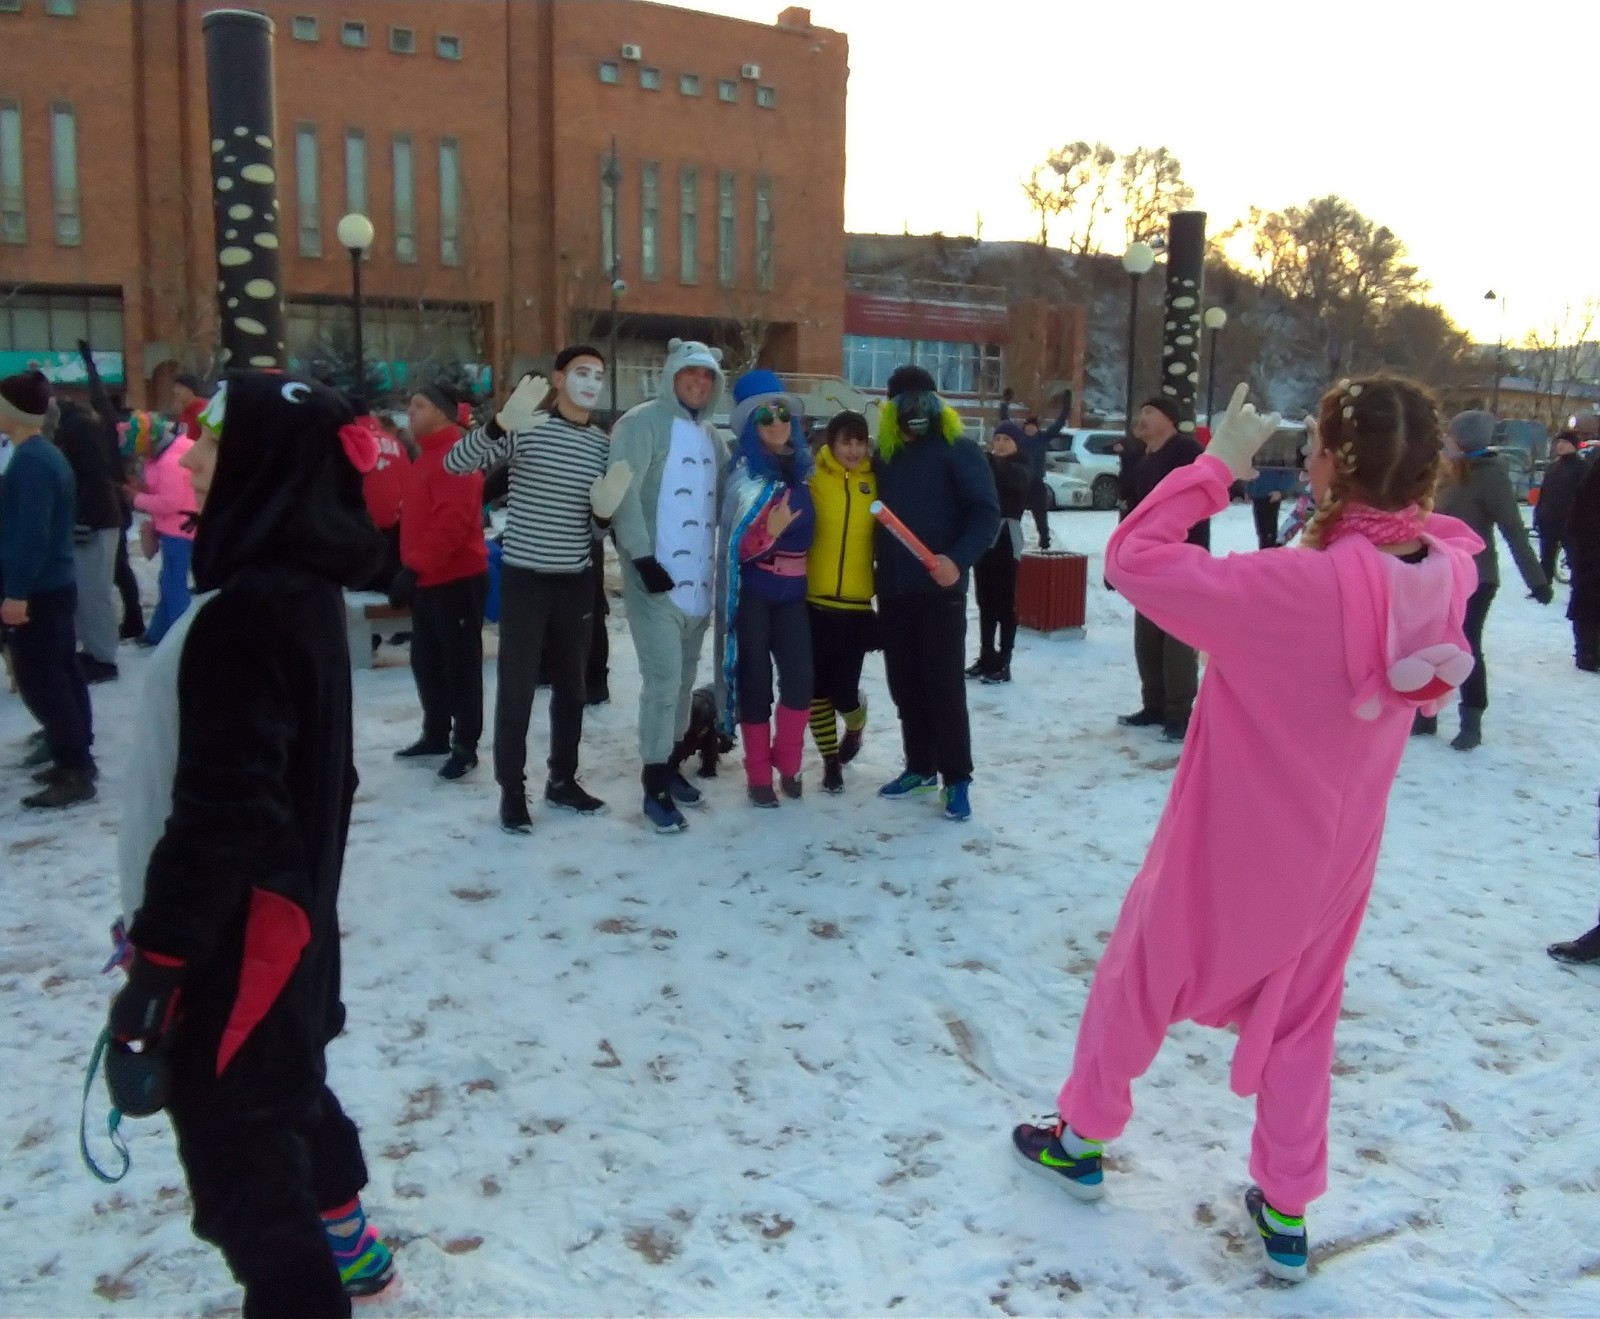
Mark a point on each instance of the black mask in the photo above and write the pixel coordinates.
(916, 412)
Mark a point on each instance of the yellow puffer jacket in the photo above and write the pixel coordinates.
(840, 564)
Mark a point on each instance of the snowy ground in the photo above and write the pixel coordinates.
(769, 1067)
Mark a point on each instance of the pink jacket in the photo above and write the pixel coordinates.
(1270, 836)
(168, 497)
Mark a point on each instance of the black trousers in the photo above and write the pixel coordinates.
(1550, 542)
(1586, 644)
(1475, 690)
(128, 584)
(598, 673)
(773, 635)
(1169, 671)
(1266, 513)
(259, 1182)
(546, 617)
(840, 640)
(447, 659)
(924, 655)
(995, 578)
(384, 574)
(1039, 506)
(44, 653)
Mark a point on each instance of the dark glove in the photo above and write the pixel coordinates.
(657, 580)
(1543, 594)
(137, 1072)
(402, 589)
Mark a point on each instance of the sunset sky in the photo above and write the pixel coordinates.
(1452, 123)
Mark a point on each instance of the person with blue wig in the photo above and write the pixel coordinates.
(766, 527)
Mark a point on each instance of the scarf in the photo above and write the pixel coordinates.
(1378, 526)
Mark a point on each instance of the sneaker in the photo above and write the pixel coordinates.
(73, 788)
(1283, 1238)
(372, 1271)
(956, 800)
(1175, 731)
(422, 750)
(460, 764)
(663, 812)
(365, 1264)
(570, 796)
(909, 785)
(1039, 1146)
(684, 792)
(832, 775)
(763, 796)
(514, 817)
(1582, 951)
(793, 788)
(96, 671)
(1001, 674)
(1141, 719)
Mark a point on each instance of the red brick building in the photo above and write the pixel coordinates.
(477, 136)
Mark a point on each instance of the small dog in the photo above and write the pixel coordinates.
(703, 737)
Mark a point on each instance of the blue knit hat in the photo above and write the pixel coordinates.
(755, 389)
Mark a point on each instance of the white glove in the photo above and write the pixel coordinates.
(608, 491)
(518, 411)
(1242, 433)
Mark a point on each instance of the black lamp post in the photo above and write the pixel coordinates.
(355, 233)
(1499, 350)
(1137, 261)
(612, 177)
(1215, 319)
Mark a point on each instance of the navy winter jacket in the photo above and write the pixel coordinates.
(943, 490)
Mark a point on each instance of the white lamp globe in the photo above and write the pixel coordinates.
(1216, 318)
(1138, 259)
(355, 232)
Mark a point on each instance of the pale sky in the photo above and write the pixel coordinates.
(1452, 123)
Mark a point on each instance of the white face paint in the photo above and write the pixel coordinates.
(585, 382)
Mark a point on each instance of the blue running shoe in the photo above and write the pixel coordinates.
(909, 785)
(957, 800)
(1039, 1146)
(663, 812)
(1283, 1238)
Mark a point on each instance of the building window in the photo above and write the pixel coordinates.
(54, 322)
(447, 47)
(305, 27)
(354, 34)
(450, 201)
(611, 73)
(610, 181)
(405, 200)
(403, 40)
(13, 211)
(957, 368)
(727, 230)
(308, 197)
(727, 90)
(764, 257)
(650, 220)
(650, 79)
(408, 342)
(10, 6)
(767, 98)
(689, 224)
(355, 170)
(64, 174)
(61, 8)
(689, 84)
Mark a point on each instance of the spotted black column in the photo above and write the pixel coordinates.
(1180, 344)
(244, 177)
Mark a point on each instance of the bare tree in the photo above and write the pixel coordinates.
(1087, 171)
(1044, 199)
(1152, 188)
(1561, 357)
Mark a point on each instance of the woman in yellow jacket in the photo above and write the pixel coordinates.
(839, 591)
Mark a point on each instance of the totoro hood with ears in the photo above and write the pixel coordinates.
(683, 354)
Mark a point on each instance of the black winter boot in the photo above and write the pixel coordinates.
(1471, 734)
(71, 788)
(1424, 725)
(1581, 951)
(832, 775)
(514, 817)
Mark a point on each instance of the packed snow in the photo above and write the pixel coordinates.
(769, 1067)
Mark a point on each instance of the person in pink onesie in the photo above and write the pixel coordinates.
(1319, 658)
(169, 499)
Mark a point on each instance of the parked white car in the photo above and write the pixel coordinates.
(1067, 487)
(1094, 455)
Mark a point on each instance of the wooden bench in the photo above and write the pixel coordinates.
(368, 614)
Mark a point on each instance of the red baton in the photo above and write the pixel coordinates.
(905, 535)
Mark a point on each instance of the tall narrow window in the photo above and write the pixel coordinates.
(13, 211)
(355, 170)
(610, 181)
(727, 231)
(308, 197)
(689, 224)
(650, 220)
(405, 200)
(764, 258)
(64, 174)
(450, 201)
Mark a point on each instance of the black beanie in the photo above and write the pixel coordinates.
(911, 380)
(1167, 407)
(567, 356)
(26, 395)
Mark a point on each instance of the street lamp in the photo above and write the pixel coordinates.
(611, 176)
(1137, 261)
(1499, 348)
(355, 234)
(1215, 319)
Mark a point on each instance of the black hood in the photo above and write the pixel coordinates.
(284, 494)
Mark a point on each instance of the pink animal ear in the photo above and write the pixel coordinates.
(1431, 673)
(360, 446)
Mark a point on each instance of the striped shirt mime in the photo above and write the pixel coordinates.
(549, 524)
